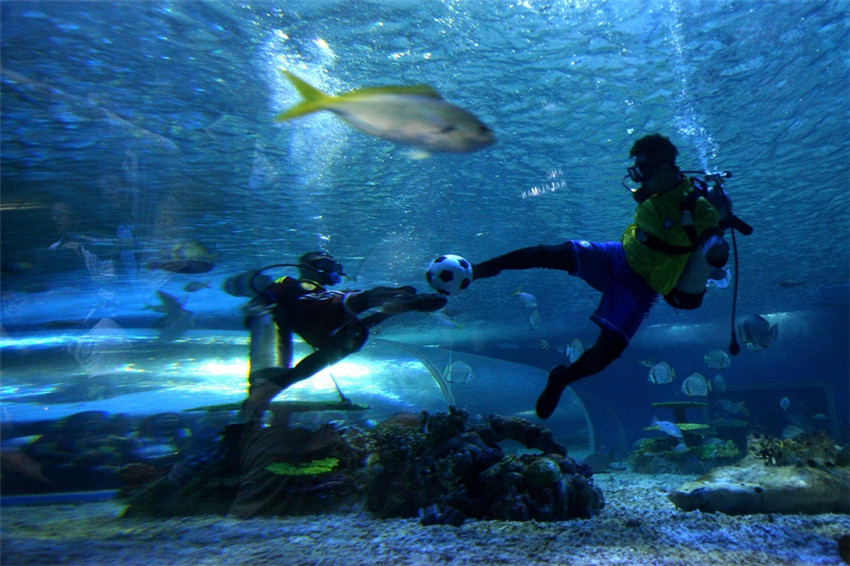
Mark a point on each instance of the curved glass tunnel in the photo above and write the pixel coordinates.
(52, 376)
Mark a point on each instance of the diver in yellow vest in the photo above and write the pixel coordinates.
(631, 273)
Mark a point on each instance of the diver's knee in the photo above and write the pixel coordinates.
(612, 345)
(607, 348)
(351, 337)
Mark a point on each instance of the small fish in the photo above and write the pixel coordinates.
(788, 283)
(718, 384)
(15, 267)
(733, 408)
(717, 359)
(185, 257)
(784, 403)
(647, 363)
(574, 350)
(791, 431)
(820, 417)
(667, 427)
(543, 344)
(416, 116)
(695, 385)
(534, 319)
(152, 450)
(19, 462)
(756, 332)
(194, 286)
(661, 373)
(527, 299)
(442, 319)
(176, 321)
(19, 442)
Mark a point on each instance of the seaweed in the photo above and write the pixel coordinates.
(313, 468)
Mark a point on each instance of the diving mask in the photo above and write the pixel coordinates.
(326, 266)
(640, 172)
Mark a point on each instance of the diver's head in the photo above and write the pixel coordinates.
(655, 164)
(320, 267)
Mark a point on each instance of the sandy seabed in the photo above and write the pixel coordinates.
(638, 525)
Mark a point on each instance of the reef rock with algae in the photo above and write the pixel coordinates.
(806, 475)
(407, 464)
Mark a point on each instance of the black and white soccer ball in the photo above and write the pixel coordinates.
(449, 274)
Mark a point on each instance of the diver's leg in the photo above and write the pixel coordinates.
(429, 302)
(348, 339)
(359, 301)
(607, 348)
(560, 256)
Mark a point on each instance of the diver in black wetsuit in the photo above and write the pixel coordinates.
(327, 320)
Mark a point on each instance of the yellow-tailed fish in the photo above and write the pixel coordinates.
(416, 116)
(527, 299)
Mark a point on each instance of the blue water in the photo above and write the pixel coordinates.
(153, 124)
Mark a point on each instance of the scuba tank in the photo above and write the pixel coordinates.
(263, 350)
(691, 286)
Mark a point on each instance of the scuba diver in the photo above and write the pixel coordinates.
(674, 226)
(327, 320)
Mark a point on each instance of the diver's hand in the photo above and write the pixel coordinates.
(716, 251)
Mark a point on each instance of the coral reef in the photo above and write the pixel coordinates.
(669, 455)
(89, 450)
(803, 475)
(453, 465)
(441, 468)
(700, 447)
(806, 449)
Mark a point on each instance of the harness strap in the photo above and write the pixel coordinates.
(660, 245)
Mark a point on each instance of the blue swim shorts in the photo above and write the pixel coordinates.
(626, 297)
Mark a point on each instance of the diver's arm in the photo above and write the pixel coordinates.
(560, 256)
